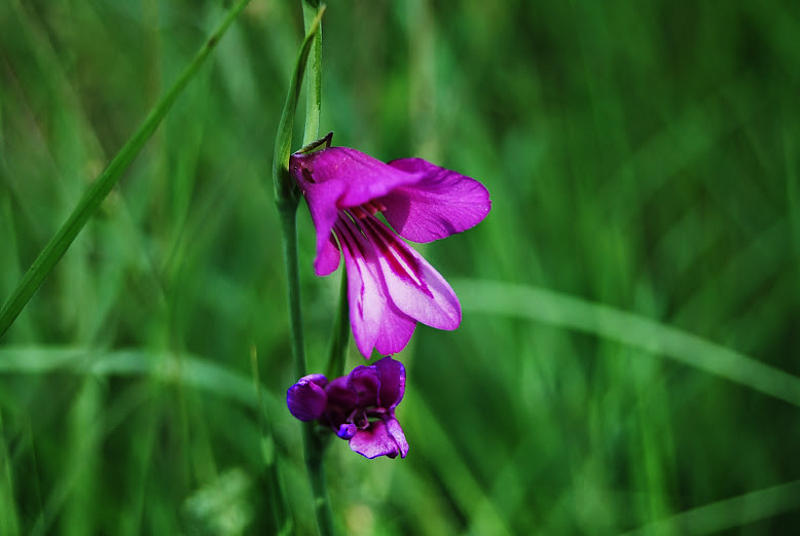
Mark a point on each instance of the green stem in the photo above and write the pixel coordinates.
(315, 449)
(339, 335)
(100, 188)
(287, 199)
(277, 498)
(314, 443)
(314, 446)
(288, 217)
(285, 191)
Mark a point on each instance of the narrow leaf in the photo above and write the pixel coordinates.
(284, 194)
(100, 188)
(562, 310)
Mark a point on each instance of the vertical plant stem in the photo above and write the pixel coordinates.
(277, 499)
(288, 217)
(339, 335)
(9, 523)
(315, 448)
(100, 188)
(315, 444)
(287, 199)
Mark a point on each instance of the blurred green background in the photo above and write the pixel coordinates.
(628, 357)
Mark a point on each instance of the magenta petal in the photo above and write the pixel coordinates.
(360, 178)
(338, 178)
(412, 284)
(394, 429)
(380, 439)
(395, 332)
(376, 321)
(392, 376)
(328, 257)
(322, 206)
(442, 203)
(307, 398)
(364, 293)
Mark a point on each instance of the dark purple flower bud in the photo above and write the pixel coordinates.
(364, 382)
(392, 377)
(358, 407)
(307, 398)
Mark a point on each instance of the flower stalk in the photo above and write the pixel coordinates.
(286, 199)
(339, 334)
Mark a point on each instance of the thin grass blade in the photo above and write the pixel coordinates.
(566, 311)
(97, 192)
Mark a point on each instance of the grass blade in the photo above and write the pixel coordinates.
(284, 193)
(728, 513)
(196, 372)
(100, 188)
(566, 311)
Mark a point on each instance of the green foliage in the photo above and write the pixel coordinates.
(627, 359)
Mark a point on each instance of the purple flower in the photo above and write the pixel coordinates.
(390, 286)
(358, 407)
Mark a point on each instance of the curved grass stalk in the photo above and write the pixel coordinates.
(100, 188)
(557, 309)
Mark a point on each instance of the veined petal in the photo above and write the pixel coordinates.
(380, 439)
(413, 285)
(376, 321)
(442, 203)
(364, 290)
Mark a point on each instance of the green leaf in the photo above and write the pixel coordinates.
(285, 195)
(100, 188)
(566, 311)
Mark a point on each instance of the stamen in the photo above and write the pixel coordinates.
(370, 208)
(347, 229)
(401, 261)
(359, 212)
(374, 206)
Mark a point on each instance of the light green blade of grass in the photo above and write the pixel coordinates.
(69, 484)
(283, 140)
(84, 455)
(566, 311)
(728, 513)
(166, 367)
(9, 523)
(282, 522)
(100, 188)
(465, 490)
